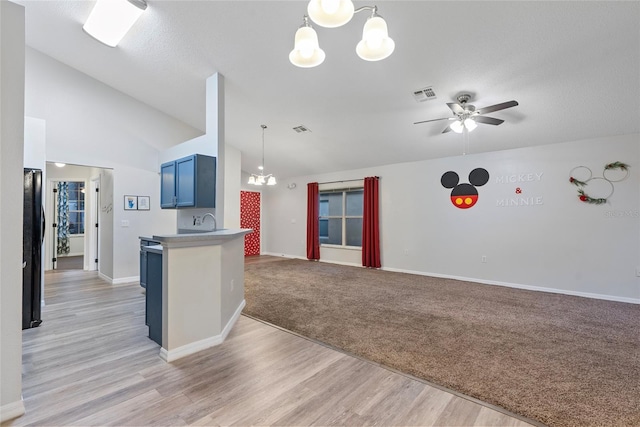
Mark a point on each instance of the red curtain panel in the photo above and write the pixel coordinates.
(250, 218)
(370, 225)
(313, 226)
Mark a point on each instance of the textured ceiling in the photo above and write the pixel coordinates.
(574, 68)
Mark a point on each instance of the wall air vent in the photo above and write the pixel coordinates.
(301, 129)
(424, 94)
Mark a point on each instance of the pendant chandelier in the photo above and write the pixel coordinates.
(261, 178)
(374, 46)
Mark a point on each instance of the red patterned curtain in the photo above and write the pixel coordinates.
(250, 218)
(313, 226)
(370, 225)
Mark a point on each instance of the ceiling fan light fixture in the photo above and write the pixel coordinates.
(456, 126)
(376, 43)
(470, 124)
(306, 52)
(252, 180)
(111, 20)
(330, 13)
(271, 180)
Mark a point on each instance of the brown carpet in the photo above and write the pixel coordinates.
(557, 359)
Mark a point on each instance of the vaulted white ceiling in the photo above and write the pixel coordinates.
(573, 66)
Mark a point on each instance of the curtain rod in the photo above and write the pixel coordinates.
(346, 180)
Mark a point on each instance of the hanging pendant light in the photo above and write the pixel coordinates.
(376, 43)
(330, 13)
(261, 178)
(306, 52)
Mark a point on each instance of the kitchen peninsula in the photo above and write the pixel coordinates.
(202, 289)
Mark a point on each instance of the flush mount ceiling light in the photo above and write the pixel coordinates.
(374, 46)
(261, 178)
(110, 20)
(60, 165)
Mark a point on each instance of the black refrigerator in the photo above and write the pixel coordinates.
(33, 236)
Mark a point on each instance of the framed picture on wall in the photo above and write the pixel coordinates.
(130, 203)
(143, 203)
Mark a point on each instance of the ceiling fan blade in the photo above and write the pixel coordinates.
(488, 120)
(447, 129)
(456, 108)
(497, 107)
(434, 120)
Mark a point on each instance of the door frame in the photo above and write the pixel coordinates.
(94, 235)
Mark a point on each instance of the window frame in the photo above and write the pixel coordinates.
(343, 217)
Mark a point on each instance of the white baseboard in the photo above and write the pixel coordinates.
(282, 255)
(120, 280)
(519, 286)
(71, 254)
(105, 278)
(194, 347)
(11, 410)
(487, 282)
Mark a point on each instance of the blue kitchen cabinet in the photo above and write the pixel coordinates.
(189, 182)
(153, 293)
(168, 185)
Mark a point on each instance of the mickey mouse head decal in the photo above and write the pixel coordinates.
(464, 196)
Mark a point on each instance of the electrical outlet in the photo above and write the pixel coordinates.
(124, 223)
(406, 251)
(484, 258)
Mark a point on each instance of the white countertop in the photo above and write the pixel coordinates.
(217, 237)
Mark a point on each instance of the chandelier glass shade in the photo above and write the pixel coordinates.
(330, 13)
(306, 52)
(376, 43)
(261, 178)
(374, 46)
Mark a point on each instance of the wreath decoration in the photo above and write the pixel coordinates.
(582, 183)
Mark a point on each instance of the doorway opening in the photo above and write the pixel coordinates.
(73, 214)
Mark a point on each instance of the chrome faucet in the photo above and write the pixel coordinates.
(215, 223)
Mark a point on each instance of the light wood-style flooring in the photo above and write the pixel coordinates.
(91, 363)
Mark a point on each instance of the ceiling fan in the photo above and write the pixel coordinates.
(466, 116)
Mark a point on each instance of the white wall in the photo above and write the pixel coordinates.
(89, 123)
(11, 194)
(212, 143)
(561, 244)
(35, 143)
(233, 160)
(106, 224)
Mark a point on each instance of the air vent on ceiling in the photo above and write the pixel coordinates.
(301, 128)
(424, 94)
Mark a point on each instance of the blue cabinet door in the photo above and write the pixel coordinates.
(168, 185)
(186, 182)
(154, 296)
